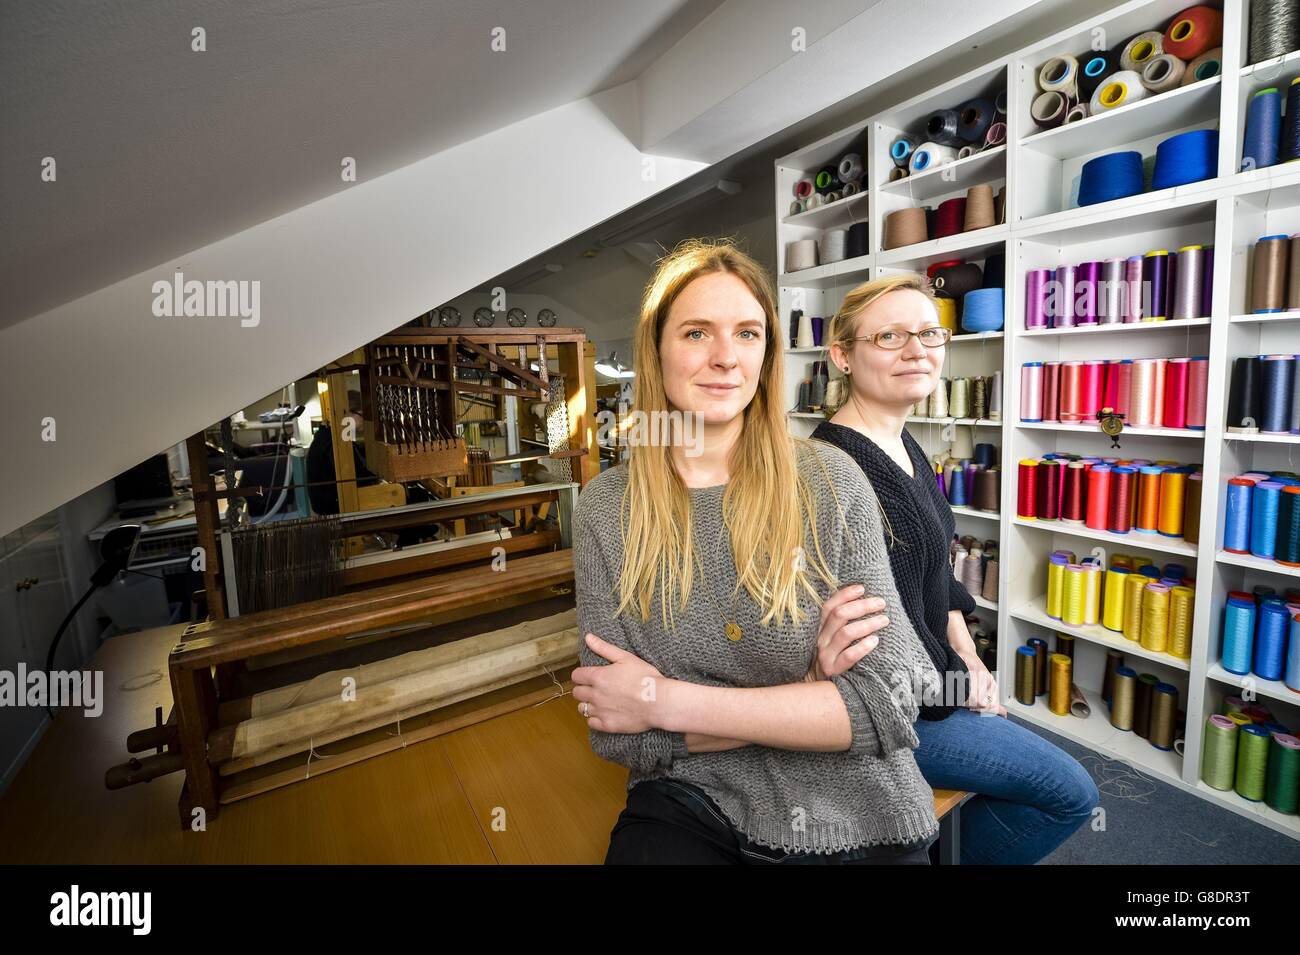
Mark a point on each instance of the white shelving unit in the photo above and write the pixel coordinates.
(1044, 228)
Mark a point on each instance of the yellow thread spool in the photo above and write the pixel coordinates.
(1113, 606)
(1091, 594)
(1121, 560)
(947, 312)
(1155, 617)
(1181, 603)
(1058, 692)
(1241, 719)
(1133, 588)
(1173, 487)
(1055, 587)
(1074, 595)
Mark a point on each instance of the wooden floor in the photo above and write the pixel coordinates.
(520, 788)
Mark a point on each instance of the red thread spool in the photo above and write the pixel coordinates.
(1051, 391)
(930, 272)
(1110, 386)
(1198, 390)
(1090, 390)
(1072, 494)
(1123, 480)
(1027, 496)
(1177, 372)
(1098, 506)
(950, 218)
(1049, 491)
(1071, 391)
(1125, 375)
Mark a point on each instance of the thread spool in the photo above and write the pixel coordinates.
(950, 217)
(858, 243)
(1194, 31)
(1162, 73)
(1059, 682)
(905, 227)
(1049, 108)
(1071, 391)
(986, 491)
(1272, 626)
(1134, 590)
(1097, 509)
(1263, 129)
(1173, 490)
(1148, 499)
(1040, 665)
(1181, 606)
(1287, 544)
(1206, 66)
(1048, 498)
(1121, 88)
(800, 254)
(1268, 276)
(1142, 392)
(833, 245)
(1091, 593)
(1219, 753)
(1074, 585)
(1093, 70)
(1252, 762)
(1277, 383)
(1072, 508)
(1146, 684)
(1061, 313)
(1114, 660)
(1245, 395)
(1265, 500)
(931, 155)
(983, 310)
(1155, 617)
(1141, 48)
(1113, 604)
(1282, 784)
(977, 208)
(1164, 716)
(990, 589)
(850, 167)
(1027, 493)
(1123, 497)
(1192, 509)
(1111, 176)
(1198, 390)
(1025, 665)
(1185, 158)
(900, 151)
(1123, 698)
(1051, 391)
(1188, 283)
(1155, 276)
(1237, 516)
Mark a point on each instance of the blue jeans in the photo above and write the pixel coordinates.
(1032, 795)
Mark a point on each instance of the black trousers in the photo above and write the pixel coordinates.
(668, 822)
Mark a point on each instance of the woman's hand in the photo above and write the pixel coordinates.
(845, 636)
(621, 696)
(983, 687)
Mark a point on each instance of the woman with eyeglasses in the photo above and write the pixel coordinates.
(886, 339)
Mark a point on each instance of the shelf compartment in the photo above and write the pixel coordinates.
(1035, 612)
(1151, 542)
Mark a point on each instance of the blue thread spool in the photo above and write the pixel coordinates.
(1150, 570)
(901, 151)
(1236, 518)
(982, 310)
(1276, 392)
(1187, 157)
(1270, 639)
(1290, 146)
(1263, 129)
(1264, 504)
(1177, 571)
(1238, 635)
(985, 455)
(1293, 656)
(957, 487)
(1112, 176)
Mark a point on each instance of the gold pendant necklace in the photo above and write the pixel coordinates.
(730, 629)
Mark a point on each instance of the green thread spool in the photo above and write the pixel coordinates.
(1122, 701)
(1283, 789)
(1219, 752)
(1252, 762)
(1025, 666)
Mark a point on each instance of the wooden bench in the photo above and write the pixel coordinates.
(947, 807)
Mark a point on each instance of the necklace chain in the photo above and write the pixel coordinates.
(731, 630)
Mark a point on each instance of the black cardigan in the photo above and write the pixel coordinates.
(922, 525)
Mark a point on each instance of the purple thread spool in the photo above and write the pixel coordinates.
(1037, 291)
(1087, 282)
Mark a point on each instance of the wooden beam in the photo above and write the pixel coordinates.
(207, 519)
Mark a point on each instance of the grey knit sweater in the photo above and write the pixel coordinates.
(871, 793)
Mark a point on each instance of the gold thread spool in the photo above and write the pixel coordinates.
(1113, 605)
(1192, 511)
(1173, 485)
(1025, 666)
(1155, 618)
(1182, 601)
(1241, 719)
(1123, 694)
(1146, 684)
(1073, 595)
(1055, 588)
(1164, 717)
(1121, 560)
(1091, 594)
(1058, 694)
(1065, 644)
(1133, 593)
(947, 312)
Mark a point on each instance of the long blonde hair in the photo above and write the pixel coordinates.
(765, 520)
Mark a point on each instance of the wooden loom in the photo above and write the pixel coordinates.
(272, 698)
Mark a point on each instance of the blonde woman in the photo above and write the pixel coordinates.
(887, 340)
(716, 587)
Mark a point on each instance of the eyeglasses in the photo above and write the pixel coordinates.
(892, 339)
